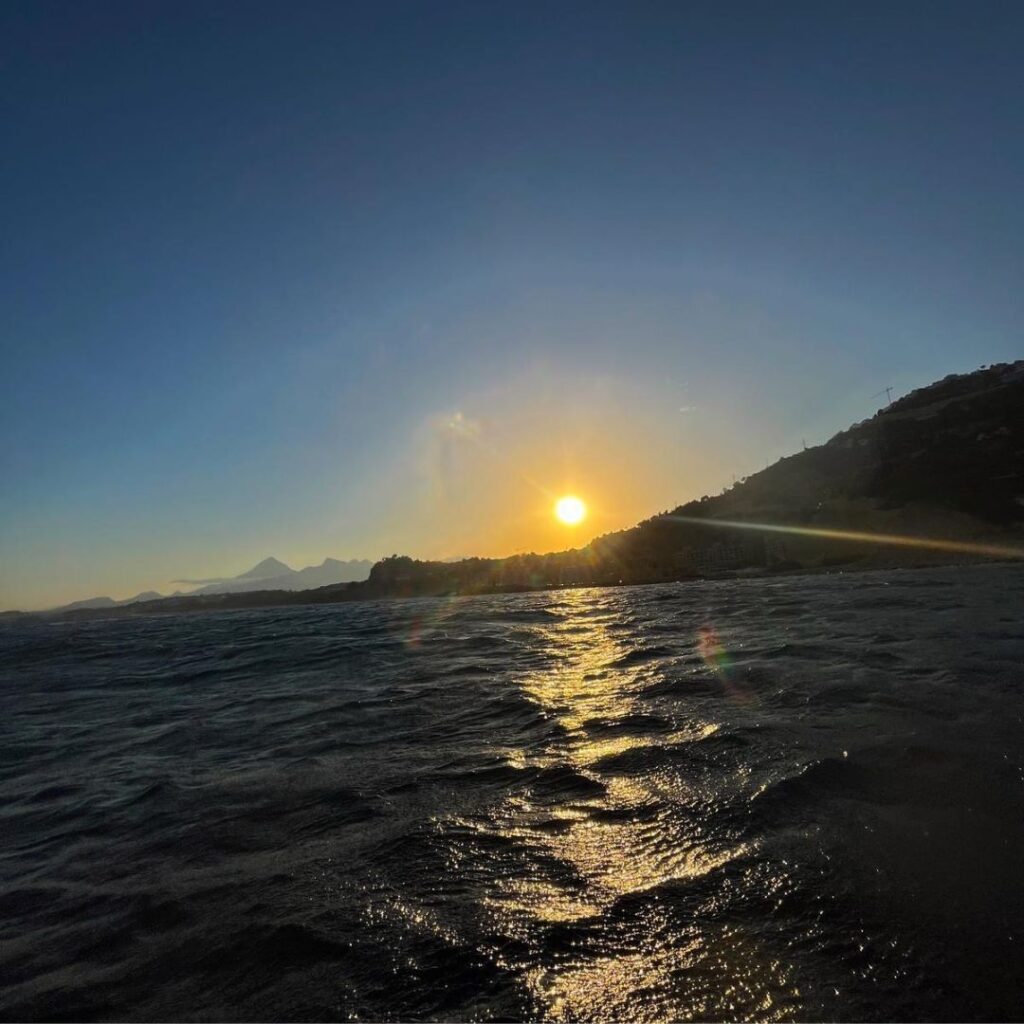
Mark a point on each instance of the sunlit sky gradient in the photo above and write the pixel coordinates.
(316, 279)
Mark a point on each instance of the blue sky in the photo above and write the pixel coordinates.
(256, 256)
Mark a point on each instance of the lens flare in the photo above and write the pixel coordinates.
(717, 659)
(863, 536)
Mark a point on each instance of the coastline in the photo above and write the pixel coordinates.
(348, 593)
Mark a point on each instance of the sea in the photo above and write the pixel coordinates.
(785, 798)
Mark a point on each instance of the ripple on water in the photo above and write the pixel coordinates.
(759, 799)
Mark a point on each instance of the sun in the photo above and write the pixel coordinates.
(570, 510)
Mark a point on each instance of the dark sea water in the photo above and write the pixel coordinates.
(762, 799)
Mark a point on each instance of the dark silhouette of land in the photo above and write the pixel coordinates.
(945, 461)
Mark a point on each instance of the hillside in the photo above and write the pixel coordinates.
(957, 444)
(945, 461)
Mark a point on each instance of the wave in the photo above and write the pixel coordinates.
(536, 806)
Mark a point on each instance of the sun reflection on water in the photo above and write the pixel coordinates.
(705, 973)
(614, 827)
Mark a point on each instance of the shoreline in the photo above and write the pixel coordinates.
(257, 599)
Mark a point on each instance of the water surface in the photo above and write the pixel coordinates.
(763, 799)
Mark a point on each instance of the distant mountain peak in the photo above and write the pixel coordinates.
(268, 567)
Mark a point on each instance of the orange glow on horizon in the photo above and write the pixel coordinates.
(487, 474)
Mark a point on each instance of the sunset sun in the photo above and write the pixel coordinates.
(570, 510)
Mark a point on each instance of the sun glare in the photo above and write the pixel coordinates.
(570, 510)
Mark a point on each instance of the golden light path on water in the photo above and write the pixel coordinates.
(620, 834)
(862, 536)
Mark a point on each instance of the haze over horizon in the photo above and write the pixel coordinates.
(347, 280)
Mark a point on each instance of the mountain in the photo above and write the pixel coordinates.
(266, 569)
(330, 571)
(271, 574)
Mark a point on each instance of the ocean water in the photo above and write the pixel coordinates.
(767, 799)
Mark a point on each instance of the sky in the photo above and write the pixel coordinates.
(309, 279)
